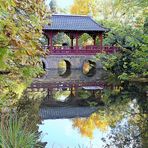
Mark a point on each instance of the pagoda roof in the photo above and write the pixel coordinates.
(74, 23)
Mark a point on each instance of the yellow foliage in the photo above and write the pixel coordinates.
(83, 7)
(87, 126)
(86, 67)
(19, 89)
(62, 64)
(20, 49)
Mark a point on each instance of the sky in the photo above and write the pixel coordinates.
(59, 133)
(62, 3)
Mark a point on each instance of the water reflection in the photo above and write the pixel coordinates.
(118, 115)
(74, 90)
(61, 95)
(59, 133)
(87, 126)
(122, 124)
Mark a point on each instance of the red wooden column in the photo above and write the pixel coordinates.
(71, 42)
(100, 40)
(71, 36)
(94, 38)
(77, 40)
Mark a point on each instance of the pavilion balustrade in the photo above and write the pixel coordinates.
(78, 50)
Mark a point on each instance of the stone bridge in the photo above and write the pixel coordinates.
(76, 61)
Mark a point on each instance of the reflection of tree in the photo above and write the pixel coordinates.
(134, 132)
(123, 136)
(126, 103)
(28, 108)
(61, 95)
(113, 112)
(84, 94)
(141, 121)
(86, 126)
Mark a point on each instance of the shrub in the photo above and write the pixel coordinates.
(14, 134)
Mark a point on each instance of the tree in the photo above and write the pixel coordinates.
(125, 12)
(131, 61)
(21, 25)
(83, 7)
(53, 6)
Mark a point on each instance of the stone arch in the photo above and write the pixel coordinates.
(44, 63)
(89, 67)
(64, 67)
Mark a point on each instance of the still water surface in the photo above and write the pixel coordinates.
(60, 133)
(117, 116)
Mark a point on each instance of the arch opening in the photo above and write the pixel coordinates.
(89, 68)
(64, 68)
(44, 66)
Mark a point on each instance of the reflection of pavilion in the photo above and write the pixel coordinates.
(76, 82)
(72, 90)
(65, 112)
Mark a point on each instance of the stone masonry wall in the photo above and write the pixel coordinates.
(76, 61)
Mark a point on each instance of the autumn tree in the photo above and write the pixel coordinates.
(83, 7)
(21, 25)
(131, 62)
(125, 12)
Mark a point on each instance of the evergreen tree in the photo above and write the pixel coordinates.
(53, 6)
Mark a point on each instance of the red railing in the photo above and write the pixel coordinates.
(87, 50)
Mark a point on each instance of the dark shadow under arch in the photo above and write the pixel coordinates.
(44, 65)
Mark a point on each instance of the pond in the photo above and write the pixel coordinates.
(61, 133)
(81, 111)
